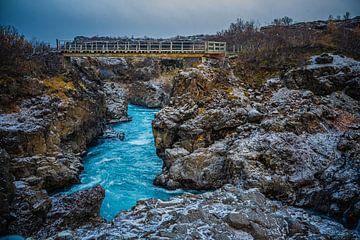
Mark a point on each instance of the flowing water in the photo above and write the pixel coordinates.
(126, 169)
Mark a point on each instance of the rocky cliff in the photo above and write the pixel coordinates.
(49, 119)
(41, 140)
(279, 159)
(282, 157)
(296, 138)
(144, 81)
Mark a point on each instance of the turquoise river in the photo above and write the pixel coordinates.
(126, 169)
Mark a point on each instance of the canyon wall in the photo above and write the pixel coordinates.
(47, 121)
(296, 138)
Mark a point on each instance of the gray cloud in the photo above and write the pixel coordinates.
(51, 19)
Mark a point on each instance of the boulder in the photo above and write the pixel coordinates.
(254, 115)
(29, 207)
(121, 136)
(353, 88)
(324, 59)
(74, 210)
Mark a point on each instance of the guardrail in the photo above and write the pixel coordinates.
(141, 47)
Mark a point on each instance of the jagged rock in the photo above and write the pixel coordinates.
(116, 102)
(142, 81)
(353, 88)
(202, 169)
(73, 210)
(324, 79)
(298, 170)
(148, 94)
(201, 111)
(121, 136)
(56, 172)
(29, 207)
(44, 139)
(167, 122)
(296, 151)
(324, 59)
(172, 154)
(228, 213)
(254, 115)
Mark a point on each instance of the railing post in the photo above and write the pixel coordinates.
(182, 46)
(171, 46)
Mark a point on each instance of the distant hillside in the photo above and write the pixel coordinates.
(268, 50)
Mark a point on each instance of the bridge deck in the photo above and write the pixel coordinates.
(174, 49)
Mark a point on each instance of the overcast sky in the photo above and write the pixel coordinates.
(50, 19)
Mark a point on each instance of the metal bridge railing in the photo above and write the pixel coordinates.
(141, 47)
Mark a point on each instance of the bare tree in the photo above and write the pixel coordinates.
(347, 16)
(285, 21)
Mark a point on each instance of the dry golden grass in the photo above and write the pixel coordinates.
(201, 110)
(59, 87)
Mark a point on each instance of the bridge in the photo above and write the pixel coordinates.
(142, 48)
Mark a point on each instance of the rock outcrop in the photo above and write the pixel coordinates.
(75, 210)
(149, 94)
(335, 74)
(42, 141)
(141, 81)
(116, 102)
(290, 138)
(228, 213)
(53, 116)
